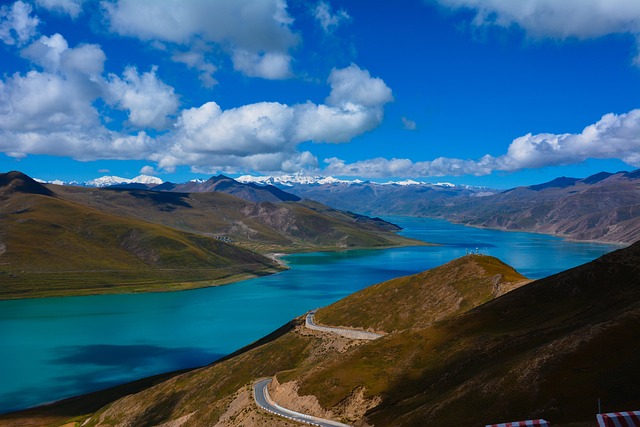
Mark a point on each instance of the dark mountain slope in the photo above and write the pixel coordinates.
(17, 182)
(223, 184)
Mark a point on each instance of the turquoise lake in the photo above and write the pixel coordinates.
(60, 347)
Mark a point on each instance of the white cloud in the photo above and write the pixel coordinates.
(196, 60)
(264, 136)
(149, 101)
(269, 65)
(256, 33)
(52, 112)
(582, 19)
(17, 26)
(612, 137)
(353, 85)
(148, 170)
(327, 20)
(73, 8)
(58, 99)
(409, 124)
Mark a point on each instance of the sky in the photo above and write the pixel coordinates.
(495, 93)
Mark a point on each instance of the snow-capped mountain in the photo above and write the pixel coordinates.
(106, 181)
(298, 179)
(290, 180)
(54, 182)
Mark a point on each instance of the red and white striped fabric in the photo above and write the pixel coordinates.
(619, 419)
(521, 424)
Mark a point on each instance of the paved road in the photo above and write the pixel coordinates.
(261, 396)
(349, 333)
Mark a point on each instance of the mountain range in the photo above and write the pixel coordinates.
(602, 207)
(68, 240)
(469, 343)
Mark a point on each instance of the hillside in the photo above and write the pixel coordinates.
(286, 226)
(549, 349)
(603, 207)
(51, 246)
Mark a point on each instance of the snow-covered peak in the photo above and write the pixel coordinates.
(405, 182)
(290, 180)
(54, 182)
(106, 181)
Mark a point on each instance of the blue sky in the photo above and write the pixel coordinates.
(484, 92)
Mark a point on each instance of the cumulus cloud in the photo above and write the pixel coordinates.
(612, 137)
(60, 97)
(73, 8)
(582, 19)
(17, 26)
(256, 33)
(149, 101)
(264, 136)
(52, 111)
(326, 19)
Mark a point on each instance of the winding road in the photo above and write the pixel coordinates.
(261, 396)
(348, 333)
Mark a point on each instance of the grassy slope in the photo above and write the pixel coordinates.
(56, 247)
(549, 349)
(422, 299)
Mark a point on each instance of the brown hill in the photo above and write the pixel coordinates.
(603, 207)
(264, 227)
(51, 246)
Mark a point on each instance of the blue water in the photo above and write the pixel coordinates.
(60, 347)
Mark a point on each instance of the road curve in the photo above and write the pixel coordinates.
(348, 333)
(263, 400)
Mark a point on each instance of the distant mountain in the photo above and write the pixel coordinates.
(603, 207)
(223, 184)
(395, 198)
(107, 181)
(468, 343)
